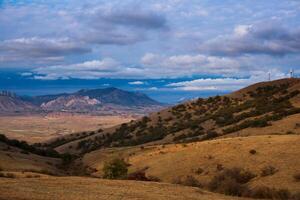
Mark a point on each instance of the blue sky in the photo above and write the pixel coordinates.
(171, 50)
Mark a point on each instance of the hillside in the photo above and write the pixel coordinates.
(243, 144)
(254, 110)
(204, 160)
(10, 103)
(78, 188)
(18, 156)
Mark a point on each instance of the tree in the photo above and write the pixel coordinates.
(115, 169)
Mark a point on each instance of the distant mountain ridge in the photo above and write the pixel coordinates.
(107, 101)
(11, 103)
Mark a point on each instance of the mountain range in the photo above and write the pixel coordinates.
(99, 101)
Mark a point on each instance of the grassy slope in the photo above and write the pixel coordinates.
(172, 161)
(12, 159)
(77, 188)
(177, 121)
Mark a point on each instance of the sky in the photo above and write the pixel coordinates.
(171, 50)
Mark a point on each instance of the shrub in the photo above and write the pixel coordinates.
(210, 135)
(10, 175)
(29, 148)
(67, 158)
(154, 179)
(264, 192)
(199, 171)
(220, 167)
(115, 169)
(252, 151)
(187, 181)
(231, 182)
(268, 171)
(138, 176)
(33, 176)
(296, 196)
(24, 152)
(297, 177)
(141, 176)
(231, 187)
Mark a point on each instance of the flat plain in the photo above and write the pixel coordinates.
(40, 128)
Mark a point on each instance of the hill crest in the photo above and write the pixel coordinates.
(259, 106)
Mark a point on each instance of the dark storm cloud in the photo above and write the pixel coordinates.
(39, 48)
(256, 39)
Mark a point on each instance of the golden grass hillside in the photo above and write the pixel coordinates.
(13, 159)
(204, 160)
(79, 188)
(250, 111)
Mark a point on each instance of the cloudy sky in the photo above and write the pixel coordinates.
(171, 50)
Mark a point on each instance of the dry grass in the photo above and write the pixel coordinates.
(77, 188)
(13, 160)
(173, 161)
(39, 128)
(284, 126)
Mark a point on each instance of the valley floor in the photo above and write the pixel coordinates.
(40, 128)
(78, 188)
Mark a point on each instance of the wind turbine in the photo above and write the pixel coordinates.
(291, 73)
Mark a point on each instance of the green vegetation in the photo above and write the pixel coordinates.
(115, 169)
(187, 181)
(61, 141)
(7, 175)
(29, 148)
(268, 171)
(297, 177)
(258, 109)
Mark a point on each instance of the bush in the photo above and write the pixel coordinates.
(115, 169)
(10, 175)
(252, 151)
(268, 171)
(141, 176)
(154, 179)
(297, 177)
(210, 135)
(296, 196)
(231, 187)
(231, 182)
(199, 171)
(187, 181)
(24, 152)
(25, 147)
(33, 176)
(264, 192)
(138, 176)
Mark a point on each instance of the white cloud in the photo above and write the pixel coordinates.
(86, 70)
(225, 84)
(26, 74)
(153, 88)
(187, 65)
(136, 83)
(242, 30)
